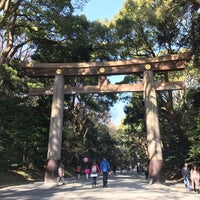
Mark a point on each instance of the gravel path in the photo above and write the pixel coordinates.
(127, 186)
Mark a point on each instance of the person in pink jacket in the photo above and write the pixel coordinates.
(87, 172)
(195, 177)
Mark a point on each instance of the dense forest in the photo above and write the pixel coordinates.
(50, 31)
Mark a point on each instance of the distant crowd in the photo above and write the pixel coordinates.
(191, 176)
(92, 171)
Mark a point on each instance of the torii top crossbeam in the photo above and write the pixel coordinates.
(162, 63)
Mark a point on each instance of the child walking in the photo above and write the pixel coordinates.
(87, 172)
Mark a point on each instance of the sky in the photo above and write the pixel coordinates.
(101, 9)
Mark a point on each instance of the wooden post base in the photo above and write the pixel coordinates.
(155, 172)
(51, 171)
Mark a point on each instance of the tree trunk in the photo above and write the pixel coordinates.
(153, 130)
(55, 134)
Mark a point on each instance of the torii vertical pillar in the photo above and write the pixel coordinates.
(153, 130)
(55, 134)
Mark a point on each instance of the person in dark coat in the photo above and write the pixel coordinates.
(186, 176)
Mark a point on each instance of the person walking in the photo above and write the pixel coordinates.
(146, 172)
(94, 173)
(186, 176)
(195, 177)
(105, 169)
(87, 172)
(61, 173)
(78, 171)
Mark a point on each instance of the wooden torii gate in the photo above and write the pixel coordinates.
(103, 69)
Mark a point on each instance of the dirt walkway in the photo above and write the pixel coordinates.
(120, 187)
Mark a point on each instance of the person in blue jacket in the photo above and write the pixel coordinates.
(105, 169)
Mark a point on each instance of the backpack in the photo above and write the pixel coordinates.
(78, 169)
(94, 169)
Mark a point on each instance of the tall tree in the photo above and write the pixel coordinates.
(21, 19)
(150, 28)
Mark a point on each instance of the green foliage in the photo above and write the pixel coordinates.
(149, 28)
(132, 136)
(22, 132)
(193, 124)
(85, 129)
(22, 22)
(22, 142)
(93, 141)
